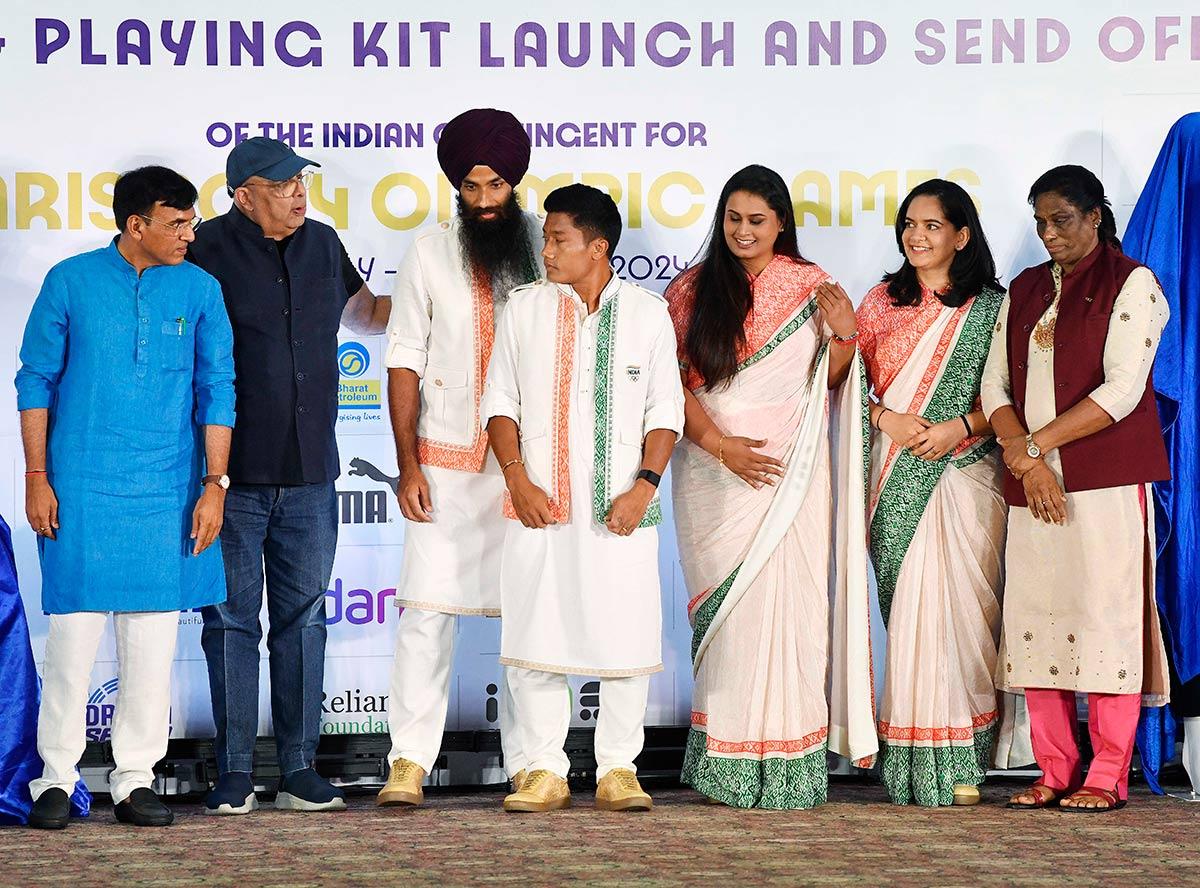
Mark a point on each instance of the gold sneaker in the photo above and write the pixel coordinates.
(619, 790)
(518, 779)
(541, 791)
(403, 786)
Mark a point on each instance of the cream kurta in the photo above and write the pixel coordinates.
(442, 327)
(1077, 594)
(577, 598)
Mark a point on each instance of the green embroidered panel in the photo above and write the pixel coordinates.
(912, 480)
(602, 399)
(776, 783)
(708, 610)
(975, 454)
(785, 331)
(926, 775)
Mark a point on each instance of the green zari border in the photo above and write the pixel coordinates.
(784, 332)
(912, 480)
(927, 775)
(708, 610)
(770, 782)
(602, 399)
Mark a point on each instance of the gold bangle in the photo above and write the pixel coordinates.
(721, 450)
(513, 461)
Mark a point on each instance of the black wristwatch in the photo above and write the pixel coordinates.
(650, 475)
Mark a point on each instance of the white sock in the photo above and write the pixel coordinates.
(1191, 751)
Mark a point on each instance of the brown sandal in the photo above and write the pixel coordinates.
(1040, 791)
(1093, 792)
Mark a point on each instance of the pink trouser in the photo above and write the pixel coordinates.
(1112, 721)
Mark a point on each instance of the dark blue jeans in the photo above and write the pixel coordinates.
(292, 531)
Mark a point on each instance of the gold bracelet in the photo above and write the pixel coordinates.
(721, 450)
(514, 461)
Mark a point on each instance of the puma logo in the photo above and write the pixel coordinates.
(365, 469)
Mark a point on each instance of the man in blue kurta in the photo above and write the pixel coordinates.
(126, 395)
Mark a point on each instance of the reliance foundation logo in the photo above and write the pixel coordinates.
(353, 712)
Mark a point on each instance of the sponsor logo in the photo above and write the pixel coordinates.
(491, 707)
(367, 506)
(356, 606)
(353, 712)
(355, 392)
(634, 372)
(353, 359)
(589, 700)
(101, 707)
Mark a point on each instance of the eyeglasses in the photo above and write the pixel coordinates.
(177, 227)
(286, 188)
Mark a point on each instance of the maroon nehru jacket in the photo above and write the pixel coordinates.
(1130, 451)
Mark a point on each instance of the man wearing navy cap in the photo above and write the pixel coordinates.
(288, 286)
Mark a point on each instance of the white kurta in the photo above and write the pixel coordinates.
(577, 598)
(442, 328)
(1075, 600)
(451, 563)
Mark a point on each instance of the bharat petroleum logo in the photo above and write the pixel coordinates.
(353, 359)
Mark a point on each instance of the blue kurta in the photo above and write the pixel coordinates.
(131, 370)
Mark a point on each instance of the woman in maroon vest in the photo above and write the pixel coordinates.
(1068, 390)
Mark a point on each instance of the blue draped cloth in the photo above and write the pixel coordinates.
(1164, 234)
(19, 700)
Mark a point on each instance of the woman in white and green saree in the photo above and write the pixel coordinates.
(937, 515)
(776, 573)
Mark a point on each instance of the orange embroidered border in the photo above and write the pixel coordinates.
(469, 457)
(759, 747)
(893, 733)
(564, 362)
(888, 334)
(780, 290)
(931, 372)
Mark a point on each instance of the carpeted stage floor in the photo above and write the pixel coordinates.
(463, 839)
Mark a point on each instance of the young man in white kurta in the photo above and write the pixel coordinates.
(440, 336)
(580, 592)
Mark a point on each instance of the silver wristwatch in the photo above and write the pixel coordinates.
(1031, 448)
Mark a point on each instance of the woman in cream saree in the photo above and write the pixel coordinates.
(937, 516)
(776, 574)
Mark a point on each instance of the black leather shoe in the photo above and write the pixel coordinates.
(52, 810)
(144, 808)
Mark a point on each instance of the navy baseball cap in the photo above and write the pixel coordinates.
(264, 157)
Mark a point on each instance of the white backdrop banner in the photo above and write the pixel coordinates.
(656, 103)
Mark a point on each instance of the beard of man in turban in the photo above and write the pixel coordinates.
(496, 241)
(484, 153)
